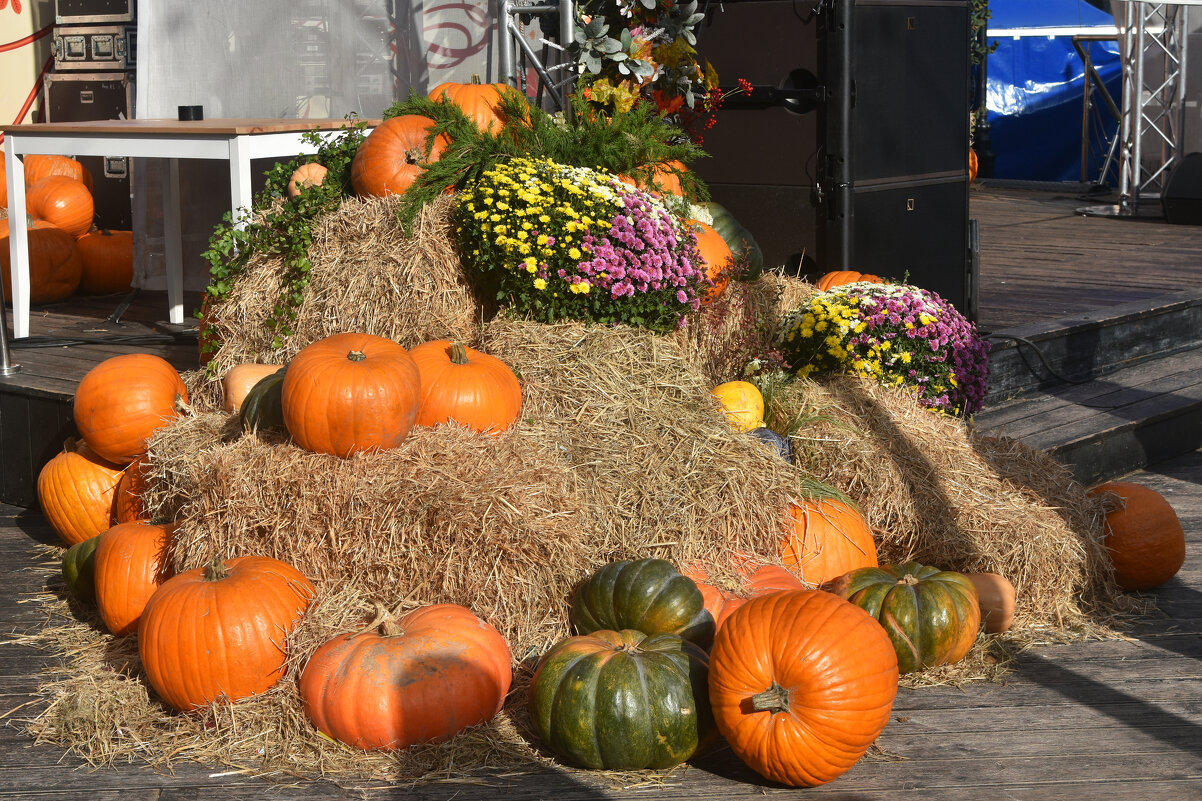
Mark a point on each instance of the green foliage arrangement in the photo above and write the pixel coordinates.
(285, 228)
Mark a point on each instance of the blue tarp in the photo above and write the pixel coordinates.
(1036, 85)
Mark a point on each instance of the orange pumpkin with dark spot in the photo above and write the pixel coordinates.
(390, 158)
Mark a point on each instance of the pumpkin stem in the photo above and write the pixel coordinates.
(384, 621)
(909, 579)
(458, 353)
(774, 699)
(356, 356)
(216, 570)
(181, 406)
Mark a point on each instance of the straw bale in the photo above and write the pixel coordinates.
(366, 276)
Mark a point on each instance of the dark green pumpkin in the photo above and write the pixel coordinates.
(931, 615)
(648, 595)
(740, 241)
(79, 569)
(622, 700)
(262, 408)
(782, 444)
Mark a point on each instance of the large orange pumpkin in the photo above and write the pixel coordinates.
(76, 490)
(130, 564)
(716, 260)
(801, 684)
(121, 401)
(841, 277)
(388, 161)
(63, 202)
(664, 179)
(475, 99)
(55, 263)
(108, 261)
(467, 386)
(38, 166)
(422, 678)
(349, 393)
(219, 632)
(825, 539)
(1143, 535)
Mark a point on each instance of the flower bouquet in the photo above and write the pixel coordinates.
(897, 334)
(561, 242)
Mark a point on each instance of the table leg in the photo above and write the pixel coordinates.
(173, 244)
(18, 239)
(241, 200)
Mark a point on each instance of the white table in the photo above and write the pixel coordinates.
(235, 141)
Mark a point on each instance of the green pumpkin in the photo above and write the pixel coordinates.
(79, 569)
(931, 615)
(262, 408)
(648, 595)
(738, 239)
(621, 700)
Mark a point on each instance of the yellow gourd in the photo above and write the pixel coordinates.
(743, 404)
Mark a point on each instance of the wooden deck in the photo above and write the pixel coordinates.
(1076, 722)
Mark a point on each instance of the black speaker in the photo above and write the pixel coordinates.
(1182, 197)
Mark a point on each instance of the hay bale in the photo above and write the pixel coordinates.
(366, 276)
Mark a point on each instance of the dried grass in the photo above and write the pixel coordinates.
(620, 452)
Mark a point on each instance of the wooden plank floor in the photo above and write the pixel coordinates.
(1075, 722)
(1040, 260)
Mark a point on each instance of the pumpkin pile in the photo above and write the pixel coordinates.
(66, 252)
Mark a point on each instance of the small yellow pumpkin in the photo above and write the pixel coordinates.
(743, 404)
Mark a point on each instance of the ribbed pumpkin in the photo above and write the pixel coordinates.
(121, 401)
(108, 261)
(387, 163)
(467, 386)
(1143, 535)
(422, 678)
(644, 594)
(127, 503)
(306, 175)
(79, 569)
(760, 581)
(220, 631)
(349, 393)
(622, 700)
(240, 379)
(477, 100)
(841, 277)
(715, 258)
(130, 564)
(38, 166)
(76, 490)
(55, 263)
(931, 616)
(63, 202)
(740, 241)
(825, 539)
(262, 408)
(743, 404)
(801, 684)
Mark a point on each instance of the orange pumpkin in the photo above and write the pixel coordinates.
(716, 259)
(349, 393)
(38, 166)
(759, 580)
(55, 263)
(825, 539)
(973, 165)
(311, 174)
(219, 632)
(130, 564)
(127, 505)
(121, 401)
(996, 598)
(467, 386)
(1143, 535)
(3, 185)
(76, 490)
(477, 100)
(801, 683)
(841, 277)
(388, 161)
(240, 379)
(108, 261)
(434, 672)
(664, 179)
(63, 202)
